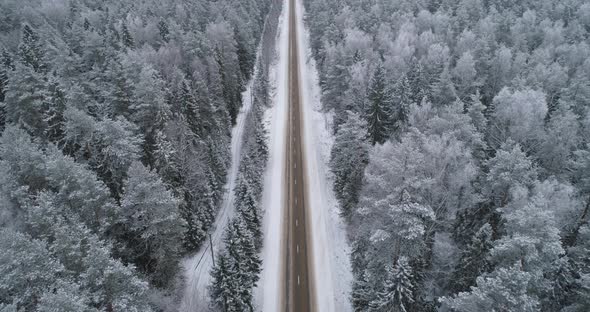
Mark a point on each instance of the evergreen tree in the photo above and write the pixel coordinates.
(378, 112)
(6, 66)
(53, 114)
(20, 286)
(223, 283)
(154, 227)
(164, 30)
(505, 290)
(190, 110)
(474, 260)
(348, 158)
(30, 50)
(246, 203)
(362, 293)
(402, 102)
(25, 96)
(126, 36)
(397, 295)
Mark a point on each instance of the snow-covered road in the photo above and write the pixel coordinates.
(330, 261)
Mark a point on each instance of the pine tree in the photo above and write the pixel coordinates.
(474, 260)
(25, 96)
(348, 158)
(336, 79)
(30, 50)
(149, 109)
(417, 82)
(53, 114)
(246, 203)
(126, 36)
(397, 295)
(155, 229)
(190, 110)
(378, 112)
(119, 90)
(505, 290)
(246, 55)
(164, 30)
(403, 100)
(476, 110)
(6, 66)
(26, 269)
(67, 297)
(223, 283)
(443, 91)
(362, 293)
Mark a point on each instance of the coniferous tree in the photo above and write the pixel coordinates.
(363, 293)
(397, 295)
(126, 36)
(152, 223)
(30, 50)
(164, 30)
(349, 156)
(474, 260)
(378, 112)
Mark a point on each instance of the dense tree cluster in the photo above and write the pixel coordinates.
(238, 265)
(461, 157)
(115, 120)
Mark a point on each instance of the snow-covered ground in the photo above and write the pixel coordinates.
(331, 263)
(332, 274)
(197, 268)
(270, 287)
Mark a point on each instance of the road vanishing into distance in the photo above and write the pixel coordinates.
(299, 296)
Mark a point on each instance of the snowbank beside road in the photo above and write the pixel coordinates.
(271, 286)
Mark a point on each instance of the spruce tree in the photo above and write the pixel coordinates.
(190, 110)
(474, 260)
(362, 293)
(154, 227)
(378, 112)
(30, 50)
(348, 159)
(397, 295)
(126, 36)
(164, 30)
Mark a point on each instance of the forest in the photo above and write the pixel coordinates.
(115, 122)
(461, 159)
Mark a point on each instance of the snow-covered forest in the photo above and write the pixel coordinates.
(461, 158)
(458, 140)
(115, 120)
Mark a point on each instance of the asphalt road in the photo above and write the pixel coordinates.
(299, 288)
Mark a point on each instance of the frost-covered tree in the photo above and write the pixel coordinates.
(152, 224)
(505, 290)
(474, 259)
(396, 295)
(19, 286)
(348, 158)
(378, 113)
